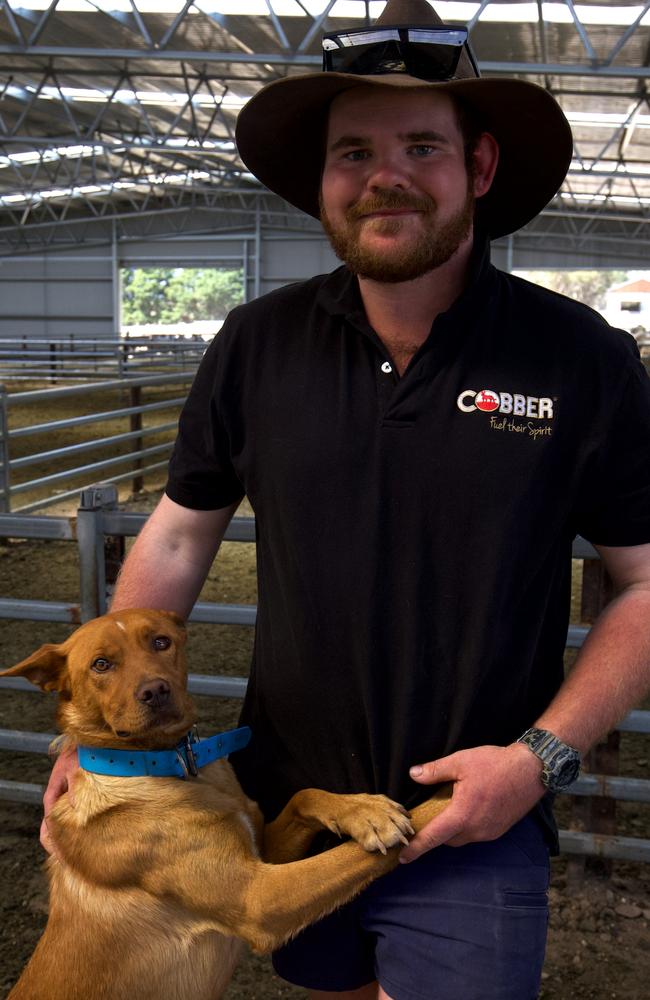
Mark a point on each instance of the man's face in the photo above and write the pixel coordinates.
(396, 200)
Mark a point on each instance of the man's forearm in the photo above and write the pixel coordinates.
(611, 673)
(170, 559)
(495, 786)
(158, 576)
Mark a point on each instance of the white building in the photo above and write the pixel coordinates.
(628, 306)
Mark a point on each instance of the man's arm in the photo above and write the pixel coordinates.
(494, 787)
(171, 557)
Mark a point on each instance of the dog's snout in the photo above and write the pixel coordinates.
(153, 693)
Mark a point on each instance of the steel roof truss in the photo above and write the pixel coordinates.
(277, 27)
(477, 14)
(189, 105)
(617, 133)
(580, 28)
(171, 31)
(94, 125)
(40, 21)
(30, 97)
(630, 31)
(141, 109)
(316, 25)
(74, 124)
(13, 23)
(131, 20)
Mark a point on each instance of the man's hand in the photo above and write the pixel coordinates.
(494, 787)
(60, 782)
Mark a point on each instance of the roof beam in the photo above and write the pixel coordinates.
(302, 59)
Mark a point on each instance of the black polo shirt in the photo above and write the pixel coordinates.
(414, 533)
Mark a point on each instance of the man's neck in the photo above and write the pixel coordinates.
(402, 313)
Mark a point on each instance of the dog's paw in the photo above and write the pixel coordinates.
(374, 821)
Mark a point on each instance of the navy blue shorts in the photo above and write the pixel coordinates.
(460, 923)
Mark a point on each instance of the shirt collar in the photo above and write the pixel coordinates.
(339, 293)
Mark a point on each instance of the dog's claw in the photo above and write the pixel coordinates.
(374, 821)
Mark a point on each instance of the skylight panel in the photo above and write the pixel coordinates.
(351, 10)
(94, 95)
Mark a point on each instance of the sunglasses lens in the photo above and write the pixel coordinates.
(425, 54)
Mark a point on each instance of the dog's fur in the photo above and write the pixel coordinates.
(156, 881)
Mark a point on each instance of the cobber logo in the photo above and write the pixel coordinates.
(515, 403)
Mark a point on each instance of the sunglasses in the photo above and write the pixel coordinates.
(425, 53)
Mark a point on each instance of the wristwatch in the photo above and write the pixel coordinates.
(560, 762)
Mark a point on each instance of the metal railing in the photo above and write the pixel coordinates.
(139, 458)
(96, 527)
(56, 359)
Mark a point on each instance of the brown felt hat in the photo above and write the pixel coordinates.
(280, 131)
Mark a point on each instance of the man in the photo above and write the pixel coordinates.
(421, 437)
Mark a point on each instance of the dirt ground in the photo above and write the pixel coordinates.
(599, 942)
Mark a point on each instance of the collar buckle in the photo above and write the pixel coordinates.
(185, 755)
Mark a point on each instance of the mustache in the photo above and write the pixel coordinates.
(390, 201)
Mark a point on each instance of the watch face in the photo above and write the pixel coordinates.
(568, 773)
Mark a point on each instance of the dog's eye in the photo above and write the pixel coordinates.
(101, 665)
(161, 642)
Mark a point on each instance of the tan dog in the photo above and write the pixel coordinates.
(157, 879)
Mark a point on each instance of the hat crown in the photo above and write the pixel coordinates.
(403, 13)
(409, 12)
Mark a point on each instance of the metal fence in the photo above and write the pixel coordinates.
(63, 359)
(137, 456)
(99, 530)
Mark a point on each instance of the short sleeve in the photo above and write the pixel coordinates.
(201, 475)
(616, 507)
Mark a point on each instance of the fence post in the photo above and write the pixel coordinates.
(100, 556)
(5, 482)
(135, 419)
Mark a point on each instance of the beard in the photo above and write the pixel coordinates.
(430, 248)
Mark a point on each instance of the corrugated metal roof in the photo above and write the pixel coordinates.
(118, 106)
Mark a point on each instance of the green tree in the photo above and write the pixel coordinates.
(144, 293)
(585, 286)
(179, 295)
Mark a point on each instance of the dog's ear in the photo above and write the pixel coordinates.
(46, 668)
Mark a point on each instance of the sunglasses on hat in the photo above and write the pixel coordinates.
(424, 53)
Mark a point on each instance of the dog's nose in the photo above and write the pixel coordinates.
(153, 693)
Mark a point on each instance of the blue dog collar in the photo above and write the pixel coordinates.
(183, 761)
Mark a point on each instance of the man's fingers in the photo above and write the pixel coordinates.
(44, 837)
(60, 782)
(435, 771)
(60, 778)
(440, 830)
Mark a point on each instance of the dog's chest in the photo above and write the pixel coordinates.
(246, 822)
(226, 796)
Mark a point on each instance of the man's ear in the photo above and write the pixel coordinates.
(486, 159)
(47, 668)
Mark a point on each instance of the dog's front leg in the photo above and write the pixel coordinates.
(374, 821)
(281, 899)
(222, 881)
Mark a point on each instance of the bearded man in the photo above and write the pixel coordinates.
(421, 437)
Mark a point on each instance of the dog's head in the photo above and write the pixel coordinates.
(121, 679)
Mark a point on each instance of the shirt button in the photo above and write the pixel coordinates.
(387, 367)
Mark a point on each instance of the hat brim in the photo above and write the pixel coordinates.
(281, 134)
